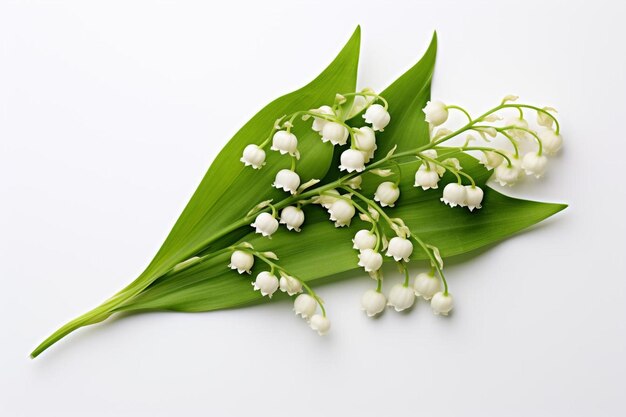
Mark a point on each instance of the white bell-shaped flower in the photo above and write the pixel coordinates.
(426, 285)
(365, 140)
(285, 142)
(292, 217)
(401, 297)
(266, 282)
(364, 239)
(436, 113)
(550, 140)
(241, 261)
(320, 324)
(370, 260)
(352, 161)
(373, 302)
(519, 124)
(442, 303)
(305, 306)
(341, 212)
(253, 155)
(491, 159)
(454, 195)
(426, 178)
(335, 133)
(290, 285)
(287, 180)
(387, 194)
(377, 116)
(354, 183)
(265, 224)
(400, 248)
(432, 154)
(506, 174)
(544, 120)
(473, 197)
(319, 122)
(534, 164)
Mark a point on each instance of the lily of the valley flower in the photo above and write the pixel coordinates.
(387, 194)
(290, 285)
(370, 260)
(473, 197)
(266, 282)
(426, 177)
(241, 261)
(377, 116)
(265, 224)
(341, 212)
(426, 285)
(373, 302)
(400, 249)
(352, 161)
(285, 142)
(454, 195)
(253, 155)
(506, 174)
(534, 164)
(335, 133)
(436, 113)
(355, 183)
(550, 140)
(304, 305)
(287, 180)
(320, 324)
(401, 297)
(292, 217)
(319, 122)
(441, 303)
(364, 239)
(519, 123)
(365, 139)
(491, 159)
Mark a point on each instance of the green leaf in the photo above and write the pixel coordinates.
(322, 251)
(229, 189)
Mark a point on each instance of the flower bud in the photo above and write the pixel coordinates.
(352, 160)
(473, 197)
(550, 140)
(253, 156)
(290, 285)
(401, 297)
(267, 283)
(400, 248)
(305, 306)
(335, 133)
(364, 239)
(370, 260)
(491, 159)
(441, 303)
(436, 113)
(517, 122)
(241, 261)
(373, 302)
(318, 122)
(292, 217)
(287, 180)
(354, 183)
(426, 178)
(341, 212)
(377, 116)
(426, 285)
(265, 224)
(327, 198)
(320, 324)
(454, 195)
(285, 142)
(387, 194)
(534, 164)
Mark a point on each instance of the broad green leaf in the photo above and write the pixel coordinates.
(227, 180)
(322, 251)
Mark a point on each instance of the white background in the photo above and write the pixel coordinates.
(111, 112)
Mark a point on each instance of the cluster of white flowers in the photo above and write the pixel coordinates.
(343, 202)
